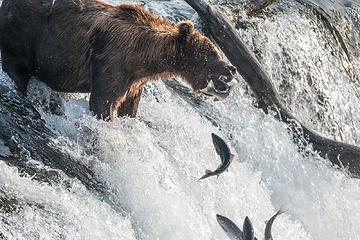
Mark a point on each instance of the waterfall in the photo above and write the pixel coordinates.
(150, 165)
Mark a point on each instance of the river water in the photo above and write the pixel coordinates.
(151, 164)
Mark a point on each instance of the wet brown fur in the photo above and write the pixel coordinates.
(108, 50)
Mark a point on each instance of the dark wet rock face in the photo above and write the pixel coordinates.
(24, 137)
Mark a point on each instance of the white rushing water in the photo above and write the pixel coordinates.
(152, 163)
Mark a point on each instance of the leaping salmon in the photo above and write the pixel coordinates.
(230, 228)
(248, 229)
(226, 157)
(269, 224)
(233, 231)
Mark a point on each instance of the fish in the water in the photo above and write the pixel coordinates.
(269, 224)
(248, 230)
(230, 228)
(226, 157)
(218, 88)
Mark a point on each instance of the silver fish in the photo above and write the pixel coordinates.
(269, 224)
(248, 230)
(219, 92)
(230, 228)
(226, 157)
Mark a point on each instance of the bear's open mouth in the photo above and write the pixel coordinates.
(220, 85)
(217, 88)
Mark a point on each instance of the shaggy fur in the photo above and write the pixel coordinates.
(108, 50)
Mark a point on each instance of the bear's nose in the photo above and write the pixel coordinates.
(232, 70)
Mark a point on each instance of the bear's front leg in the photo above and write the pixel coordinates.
(130, 105)
(17, 68)
(100, 105)
(105, 98)
(110, 84)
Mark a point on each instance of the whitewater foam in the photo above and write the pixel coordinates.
(151, 165)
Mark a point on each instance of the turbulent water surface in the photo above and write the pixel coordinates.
(151, 164)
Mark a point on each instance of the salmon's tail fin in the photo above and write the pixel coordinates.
(207, 172)
(281, 211)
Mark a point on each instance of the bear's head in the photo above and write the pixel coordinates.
(200, 59)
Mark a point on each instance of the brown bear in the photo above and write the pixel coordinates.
(108, 50)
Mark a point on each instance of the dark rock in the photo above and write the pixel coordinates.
(24, 137)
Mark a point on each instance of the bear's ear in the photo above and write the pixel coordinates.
(185, 28)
